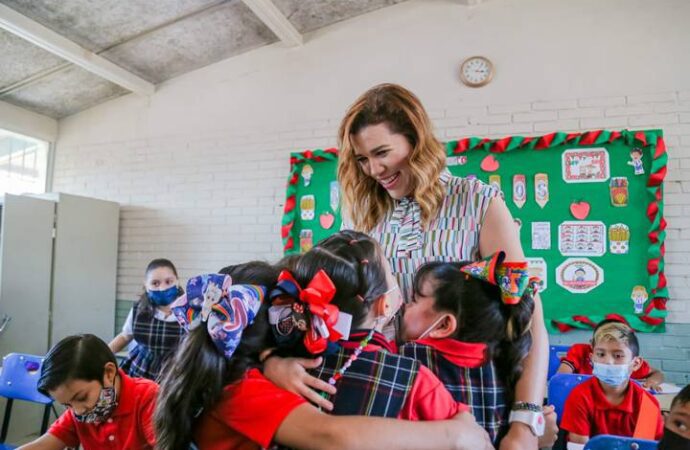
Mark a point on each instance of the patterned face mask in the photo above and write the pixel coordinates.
(163, 298)
(106, 404)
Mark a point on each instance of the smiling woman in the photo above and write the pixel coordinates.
(396, 188)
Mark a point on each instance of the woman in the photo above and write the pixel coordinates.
(396, 187)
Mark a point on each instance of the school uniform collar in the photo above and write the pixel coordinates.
(126, 399)
(601, 402)
(378, 342)
(463, 354)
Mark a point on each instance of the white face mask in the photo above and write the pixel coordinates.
(611, 374)
(428, 330)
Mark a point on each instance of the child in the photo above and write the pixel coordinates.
(346, 279)
(473, 334)
(151, 323)
(105, 407)
(677, 429)
(213, 394)
(578, 360)
(609, 403)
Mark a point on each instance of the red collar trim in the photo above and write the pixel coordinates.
(378, 342)
(463, 354)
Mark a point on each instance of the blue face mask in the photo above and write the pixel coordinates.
(163, 298)
(611, 374)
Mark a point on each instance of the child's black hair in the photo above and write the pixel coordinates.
(482, 316)
(79, 357)
(682, 397)
(194, 378)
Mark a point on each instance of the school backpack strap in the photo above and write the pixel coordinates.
(647, 419)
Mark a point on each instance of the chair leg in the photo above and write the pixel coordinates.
(46, 419)
(6, 420)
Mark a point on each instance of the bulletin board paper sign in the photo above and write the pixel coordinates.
(541, 235)
(579, 275)
(582, 238)
(586, 165)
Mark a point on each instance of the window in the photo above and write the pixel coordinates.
(23, 164)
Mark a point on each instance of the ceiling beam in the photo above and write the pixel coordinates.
(271, 16)
(51, 41)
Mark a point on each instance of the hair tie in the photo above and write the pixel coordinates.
(512, 278)
(364, 261)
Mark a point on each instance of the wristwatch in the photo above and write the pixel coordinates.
(529, 414)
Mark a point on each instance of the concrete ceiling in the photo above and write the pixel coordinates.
(153, 40)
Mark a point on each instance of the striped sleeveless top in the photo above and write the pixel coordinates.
(452, 236)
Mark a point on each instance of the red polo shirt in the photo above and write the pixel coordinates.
(579, 358)
(129, 427)
(247, 416)
(587, 412)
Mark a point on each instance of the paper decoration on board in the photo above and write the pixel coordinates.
(306, 240)
(335, 196)
(639, 297)
(307, 172)
(456, 160)
(579, 275)
(585, 166)
(519, 190)
(536, 267)
(496, 180)
(619, 238)
(580, 210)
(489, 164)
(582, 238)
(541, 235)
(618, 187)
(636, 161)
(541, 189)
(307, 206)
(326, 220)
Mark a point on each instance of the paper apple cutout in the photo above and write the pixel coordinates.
(580, 210)
(489, 164)
(326, 220)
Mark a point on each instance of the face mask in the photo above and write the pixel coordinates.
(163, 298)
(102, 410)
(611, 374)
(428, 330)
(673, 441)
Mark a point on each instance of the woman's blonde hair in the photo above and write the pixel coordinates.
(364, 199)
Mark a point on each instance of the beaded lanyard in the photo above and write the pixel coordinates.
(353, 357)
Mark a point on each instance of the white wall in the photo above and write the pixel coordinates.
(22, 121)
(200, 167)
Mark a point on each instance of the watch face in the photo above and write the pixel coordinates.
(476, 71)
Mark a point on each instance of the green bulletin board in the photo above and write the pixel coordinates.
(597, 259)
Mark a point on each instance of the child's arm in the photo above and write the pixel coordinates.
(308, 429)
(45, 442)
(654, 380)
(120, 342)
(565, 368)
(577, 438)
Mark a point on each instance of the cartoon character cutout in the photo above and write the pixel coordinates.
(639, 297)
(636, 161)
(212, 296)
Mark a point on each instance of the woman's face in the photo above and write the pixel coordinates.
(384, 156)
(160, 279)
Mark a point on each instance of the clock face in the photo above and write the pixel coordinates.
(476, 71)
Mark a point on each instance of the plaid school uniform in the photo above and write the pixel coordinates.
(376, 384)
(469, 377)
(156, 342)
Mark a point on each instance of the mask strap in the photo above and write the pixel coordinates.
(428, 330)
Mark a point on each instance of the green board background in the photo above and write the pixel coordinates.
(621, 272)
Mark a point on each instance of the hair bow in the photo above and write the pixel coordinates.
(309, 310)
(511, 277)
(225, 309)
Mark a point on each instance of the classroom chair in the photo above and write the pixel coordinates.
(609, 442)
(18, 381)
(556, 352)
(559, 388)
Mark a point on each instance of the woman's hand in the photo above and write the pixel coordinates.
(291, 374)
(471, 436)
(550, 428)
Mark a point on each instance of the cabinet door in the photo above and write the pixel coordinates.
(84, 267)
(26, 247)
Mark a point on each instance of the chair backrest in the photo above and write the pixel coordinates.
(559, 388)
(609, 442)
(556, 352)
(19, 378)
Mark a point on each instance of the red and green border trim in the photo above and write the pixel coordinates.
(655, 311)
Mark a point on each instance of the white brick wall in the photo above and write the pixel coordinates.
(209, 200)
